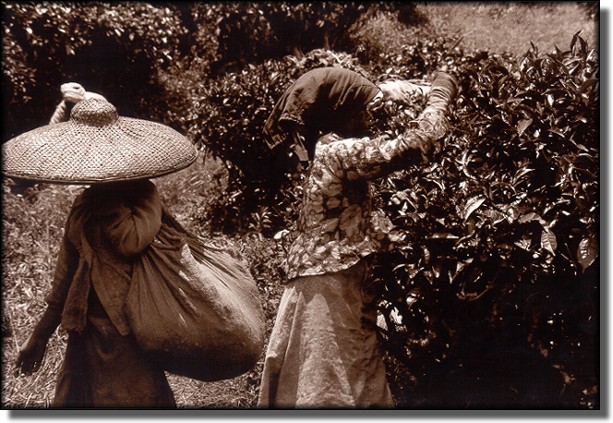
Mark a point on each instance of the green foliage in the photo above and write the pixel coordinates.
(255, 31)
(108, 48)
(382, 35)
(498, 264)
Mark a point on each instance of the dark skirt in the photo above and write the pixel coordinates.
(103, 369)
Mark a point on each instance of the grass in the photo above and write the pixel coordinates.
(509, 27)
(32, 225)
(32, 220)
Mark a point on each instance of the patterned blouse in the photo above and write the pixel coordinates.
(337, 226)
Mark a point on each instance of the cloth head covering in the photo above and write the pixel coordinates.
(322, 100)
(95, 146)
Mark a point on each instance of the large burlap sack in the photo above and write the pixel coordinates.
(195, 308)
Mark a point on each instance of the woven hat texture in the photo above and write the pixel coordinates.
(94, 146)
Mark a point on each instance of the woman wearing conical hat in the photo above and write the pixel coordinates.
(109, 225)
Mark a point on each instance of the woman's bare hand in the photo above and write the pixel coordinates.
(30, 356)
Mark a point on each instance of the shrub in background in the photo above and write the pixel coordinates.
(108, 48)
(252, 32)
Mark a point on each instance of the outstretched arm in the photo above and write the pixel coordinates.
(368, 158)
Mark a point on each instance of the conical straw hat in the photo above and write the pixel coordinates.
(94, 146)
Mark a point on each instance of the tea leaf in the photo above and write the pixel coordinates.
(472, 205)
(523, 125)
(587, 252)
(549, 241)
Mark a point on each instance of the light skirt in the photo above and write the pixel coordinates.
(323, 350)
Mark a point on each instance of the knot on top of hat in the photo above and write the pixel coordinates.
(94, 112)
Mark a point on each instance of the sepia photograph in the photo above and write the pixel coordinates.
(302, 206)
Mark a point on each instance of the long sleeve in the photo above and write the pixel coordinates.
(134, 225)
(337, 226)
(66, 265)
(65, 269)
(370, 158)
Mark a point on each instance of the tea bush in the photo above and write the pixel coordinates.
(252, 32)
(108, 48)
(498, 268)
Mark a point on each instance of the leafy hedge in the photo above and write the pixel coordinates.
(252, 32)
(494, 290)
(108, 48)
